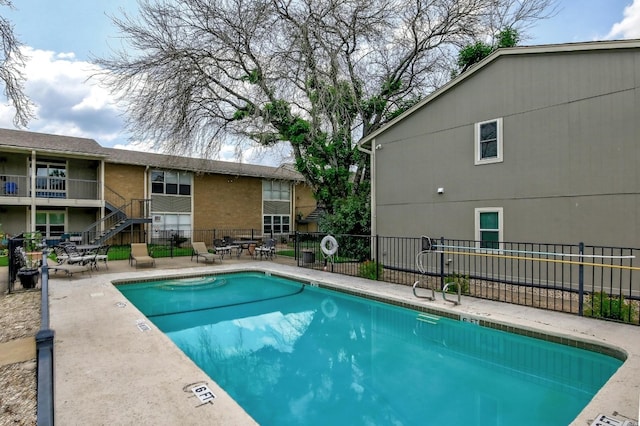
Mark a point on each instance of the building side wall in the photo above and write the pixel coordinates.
(226, 202)
(126, 180)
(571, 162)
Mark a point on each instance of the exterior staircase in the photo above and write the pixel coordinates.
(123, 215)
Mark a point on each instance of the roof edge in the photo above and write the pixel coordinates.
(509, 51)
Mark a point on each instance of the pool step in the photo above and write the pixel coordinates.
(430, 319)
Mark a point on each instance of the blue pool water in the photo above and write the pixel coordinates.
(292, 354)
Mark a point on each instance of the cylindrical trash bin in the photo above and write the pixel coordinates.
(308, 256)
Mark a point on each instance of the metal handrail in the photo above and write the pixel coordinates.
(444, 293)
(44, 351)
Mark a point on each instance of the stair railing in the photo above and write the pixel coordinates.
(134, 209)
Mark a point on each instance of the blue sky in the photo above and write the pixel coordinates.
(61, 37)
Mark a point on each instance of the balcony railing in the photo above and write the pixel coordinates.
(20, 186)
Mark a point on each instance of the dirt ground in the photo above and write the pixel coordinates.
(19, 321)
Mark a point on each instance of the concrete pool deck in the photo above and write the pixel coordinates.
(112, 366)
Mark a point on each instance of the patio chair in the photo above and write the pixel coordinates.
(102, 255)
(140, 255)
(251, 251)
(200, 251)
(69, 255)
(69, 268)
(268, 250)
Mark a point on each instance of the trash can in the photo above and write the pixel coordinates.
(308, 256)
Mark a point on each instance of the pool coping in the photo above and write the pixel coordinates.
(89, 320)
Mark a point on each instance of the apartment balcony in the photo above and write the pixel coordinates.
(18, 190)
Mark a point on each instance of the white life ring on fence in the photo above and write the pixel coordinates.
(329, 245)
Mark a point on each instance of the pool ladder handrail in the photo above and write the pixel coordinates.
(433, 293)
(444, 293)
(423, 272)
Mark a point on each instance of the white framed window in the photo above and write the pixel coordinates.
(488, 142)
(489, 227)
(170, 182)
(50, 223)
(51, 179)
(276, 190)
(278, 224)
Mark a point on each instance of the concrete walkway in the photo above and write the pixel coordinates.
(112, 366)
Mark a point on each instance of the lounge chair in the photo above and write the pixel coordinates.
(140, 255)
(69, 268)
(268, 250)
(200, 251)
(68, 254)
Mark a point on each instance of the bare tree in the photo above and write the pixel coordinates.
(11, 64)
(319, 74)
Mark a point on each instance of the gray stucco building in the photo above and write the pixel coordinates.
(538, 144)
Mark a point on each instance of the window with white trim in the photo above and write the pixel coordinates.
(278, 224)
(488, 141)
(276, 207)
(50, 223)
(170, 182)
(51, 179)
(489, 227)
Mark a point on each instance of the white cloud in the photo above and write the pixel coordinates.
(68, 102)
(629, 27)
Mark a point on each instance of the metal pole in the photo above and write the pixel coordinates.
(442, 264)
(44, 349)
(581, 280)
(377, 260)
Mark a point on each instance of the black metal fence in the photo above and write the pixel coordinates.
(587, 280)
(593, 281)
(44, 353)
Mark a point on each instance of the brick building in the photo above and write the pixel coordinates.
(62, 185)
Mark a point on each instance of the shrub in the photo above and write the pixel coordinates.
(457, 280)
(371, 269)
(602, 305)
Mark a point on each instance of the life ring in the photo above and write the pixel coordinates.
(329, 245)
(329, 308)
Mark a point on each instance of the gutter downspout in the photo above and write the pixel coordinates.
(148, 227)
(372, 165)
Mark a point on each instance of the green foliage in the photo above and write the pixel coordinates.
(474, 53)
(351, 216)
(601, 305)
(243, 112)
(457, 280)
(32, 241)
(508, 38)
(371, 269)
(254, 77)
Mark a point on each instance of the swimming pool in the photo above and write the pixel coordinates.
(291, 353)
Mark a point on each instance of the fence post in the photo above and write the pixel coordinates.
(581, 280)
(377, 256)
(441, 263)
(44, 353)
(295, 247)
